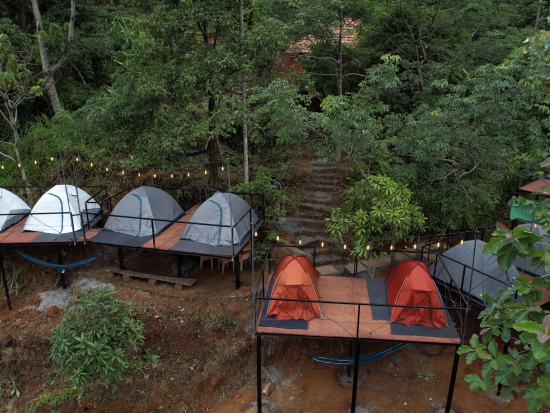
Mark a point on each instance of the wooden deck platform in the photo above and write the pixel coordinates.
(340, 320)
(15, 235)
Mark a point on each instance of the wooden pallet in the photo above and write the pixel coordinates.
(188, 282)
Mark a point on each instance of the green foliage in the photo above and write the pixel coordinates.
(261, 184)
(94, 338)
(377, 207)
(56, 398)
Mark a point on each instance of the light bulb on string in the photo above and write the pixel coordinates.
(188, 174)
(414, 246)
(76, 159)
(91, 164)
(206, 171)
(154, 175)
(535, 224)
(123, 172)
(461, 241)
(256, 233)
(171, 175)
(35, 162)
(139, 174)
(438, 244)
(106, 169)
(300, 241)
(345, 246)
(2, 166)
(51, 158)
(322, 244)
(391, 247)
(18, 165)
(222, 168)
(277, 238)
(368, 247)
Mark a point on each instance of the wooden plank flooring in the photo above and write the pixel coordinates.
(173, 280)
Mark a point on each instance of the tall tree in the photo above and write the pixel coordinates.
(48, 70)
(17, 84)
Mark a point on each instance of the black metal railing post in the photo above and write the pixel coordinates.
(5, 281)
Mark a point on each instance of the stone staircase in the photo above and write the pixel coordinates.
(309, 226)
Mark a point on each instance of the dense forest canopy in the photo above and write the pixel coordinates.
(446, 97)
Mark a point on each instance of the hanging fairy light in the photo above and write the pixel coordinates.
(368, 247)
(256, 233)
(139, 174)
(18, 165)
(106, 169)
(51, 158)
(91, 164)
(277, 238)
(154, 175)
(2, 166)
(461, 241)
(35, 162)
(188, 174)
(391, 247)
(223, 168)
(76, 159)
(535, 224)
(322, 244)
(414, 246)
(438, 244)
(300, 240)
(206, 171)
(171, 175)
(123, 172)
(345, 246)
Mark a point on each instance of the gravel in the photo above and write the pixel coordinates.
(60, 297)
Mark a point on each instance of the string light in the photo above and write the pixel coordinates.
(322, 244)
(345, 246)
(300, 241)
(91, 164)
(76, 159)
(277, 238)
(414, 246)
(139, 174)
(51, 158)
(106, 169)
(535, 224)
(2, 166)
(188, 174)
(171, 175)
(154, 175)
(368, 247)
(35, 161)
(206, 172)
(123, 172)
(391, 247)
(438, 244)
(18, 165)
(256, 233)
(461, 241)
(222, 168)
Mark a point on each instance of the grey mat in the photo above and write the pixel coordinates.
(270, 321)
(43, 237)
(378, 294)
(117, 238)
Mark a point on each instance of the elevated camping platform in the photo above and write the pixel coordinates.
(353, 309)
(340, 299)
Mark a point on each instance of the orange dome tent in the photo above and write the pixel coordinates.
(409, 283)
(295, 278)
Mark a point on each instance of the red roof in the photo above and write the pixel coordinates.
(537, 186)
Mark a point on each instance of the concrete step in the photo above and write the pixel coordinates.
(326, 181)
(320, 241)
(322, 166)
(328, 259)
(322, 187)
(317, 223)
(304, 213)
(310, 230)
(325, 175)
(323, 163)
(314, 206)
(319, 197)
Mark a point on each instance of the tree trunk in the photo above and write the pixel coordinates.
(340, 63)
(213, 162)
(21, 18)
(538, 16)
(243, 98)
(47, 70)
(13, 126)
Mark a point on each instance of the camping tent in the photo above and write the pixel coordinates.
(409, 283)
(13, 205)
(454, 264)
(144, 202)
(295, 278)
(522, 264)
(69, 201)
(220, 209)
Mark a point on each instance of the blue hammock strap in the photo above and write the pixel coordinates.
(367, 358)
(60, 268)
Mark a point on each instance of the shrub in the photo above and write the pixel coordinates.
(94, 338)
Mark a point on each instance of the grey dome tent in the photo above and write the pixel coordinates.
(62, 210)
(220, 209)
(148, 203)
(451, 265)
(14, 208)
(522, 264)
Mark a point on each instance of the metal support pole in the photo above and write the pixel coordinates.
(153, 231)
(60, 262)
(355, 267)
(314, 255)
(121, 258)
(356, 375)
(237, 276)
(452, 383)
(6, 289)
(350, 350)
(259, 371)
(179, 260)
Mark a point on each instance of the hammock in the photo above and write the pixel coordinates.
(367, 358)
(194, 153)
(60, 268)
